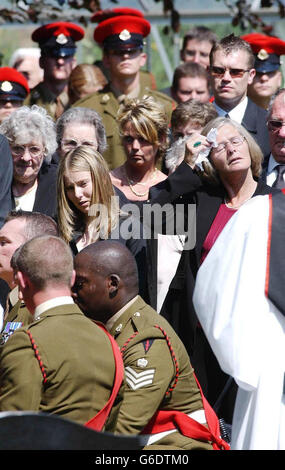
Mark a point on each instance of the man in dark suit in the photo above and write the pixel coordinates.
(274, 163)
(231, 72)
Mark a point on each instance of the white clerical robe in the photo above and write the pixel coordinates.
(244, 328)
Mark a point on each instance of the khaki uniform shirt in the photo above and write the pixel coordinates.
(107, 104)
(42, 96)
(78, 362)
(151, 372)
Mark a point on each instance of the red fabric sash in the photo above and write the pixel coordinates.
(98, 421)
(164, 420)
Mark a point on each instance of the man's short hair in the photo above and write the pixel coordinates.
(189, 69)
(232, 43)
(36, 223)
(46, 260)
(200, 33)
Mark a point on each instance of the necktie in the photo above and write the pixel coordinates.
(279, 182)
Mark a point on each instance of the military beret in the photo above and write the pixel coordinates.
(267, 51)
(13, 85)
(102, 15)
(122, 31)
(58, 39)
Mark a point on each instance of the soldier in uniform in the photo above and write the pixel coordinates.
(62, 363)
(121, 38)
(18, 228)
(161, 392)
(268, 79)
(14, 89)
(57, 42)
(147, 79)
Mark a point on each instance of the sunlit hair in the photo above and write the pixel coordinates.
(279, 92)
(70, 219)
(28, 124)
(199, 33)
(255, 152)
(232, 43)
(149, 121)
(83, 80)
(189, 70)
(79, 116)
(193, 112)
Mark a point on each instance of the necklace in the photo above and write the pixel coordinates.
(131, 183)
(238, 206)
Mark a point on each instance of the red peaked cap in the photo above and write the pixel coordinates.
(45, 32)
(13, 85)
(267, 50)
(270, 44)
(122, 31)
(103, 15)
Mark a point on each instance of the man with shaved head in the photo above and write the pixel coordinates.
(62, 363)
(161, 392)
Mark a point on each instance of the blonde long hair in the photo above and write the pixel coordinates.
(70, 219)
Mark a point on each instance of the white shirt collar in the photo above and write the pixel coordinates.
(237, 113)
(56, 302)
(272, 163)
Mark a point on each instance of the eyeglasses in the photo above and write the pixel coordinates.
(73, 144)
(234, 73)
(33, 150)
(234, 141)
(275, 125)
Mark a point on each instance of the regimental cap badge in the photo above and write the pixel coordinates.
(61, 39)
(6, 86)
(105, 98)
(262, 54)
(125, 35)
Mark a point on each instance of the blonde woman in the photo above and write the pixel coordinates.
(144, 131)
(88, 208)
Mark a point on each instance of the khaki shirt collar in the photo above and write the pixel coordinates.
(110, 323)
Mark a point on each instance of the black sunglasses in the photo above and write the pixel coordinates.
(234, 73)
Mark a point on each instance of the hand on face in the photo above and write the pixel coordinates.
(194, 145)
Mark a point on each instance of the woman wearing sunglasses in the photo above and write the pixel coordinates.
(219, 185)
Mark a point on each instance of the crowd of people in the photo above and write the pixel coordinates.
(143, 224)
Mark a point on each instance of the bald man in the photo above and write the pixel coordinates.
(62, 363)
(160, 382)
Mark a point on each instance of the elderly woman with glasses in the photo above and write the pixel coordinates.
(219, 185)
(31, 134)
(80, 126)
